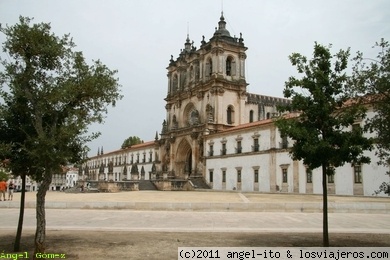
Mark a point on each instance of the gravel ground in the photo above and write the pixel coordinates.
(96, 245)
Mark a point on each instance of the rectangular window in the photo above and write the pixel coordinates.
(144, 158)
(211, 152)
(211, 175)
(223, 176)
(256, 176)
(284, 142)
(357, 169)
(223, 151)
(284, 174)
(238, 175)
(256, 145)
(150, 157)
(239, 148)
(309, 176)
(331, 178)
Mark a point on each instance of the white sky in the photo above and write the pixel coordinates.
(138, 37)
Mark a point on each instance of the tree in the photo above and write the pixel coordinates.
(132, 140)
(373, 80)
(322, 132)
(3, 175)
(61, 96)
(14, 130)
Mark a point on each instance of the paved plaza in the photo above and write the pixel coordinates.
(200, 211)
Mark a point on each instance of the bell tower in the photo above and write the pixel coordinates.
(206, 93)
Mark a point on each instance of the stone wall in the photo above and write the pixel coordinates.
(173, 185)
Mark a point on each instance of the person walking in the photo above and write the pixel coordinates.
(11, 188)
(3, 188)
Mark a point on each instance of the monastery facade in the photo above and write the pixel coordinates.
(216, 131)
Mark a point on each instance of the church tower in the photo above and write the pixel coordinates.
(206, 94)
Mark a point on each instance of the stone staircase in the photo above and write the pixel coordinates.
(146, 185)
(199, 183)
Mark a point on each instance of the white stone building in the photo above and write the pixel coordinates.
(217, 131)
(18, 183)
(72, 176)
(116, 165)
(253, 157)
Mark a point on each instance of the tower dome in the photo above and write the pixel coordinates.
(222, 31)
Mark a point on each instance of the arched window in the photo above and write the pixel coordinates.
(230, 115)
(229, 66)
(175, 83)
(183, 79)
(209, 67)
(251, 116)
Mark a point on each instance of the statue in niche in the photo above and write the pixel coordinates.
(175, 124)
(210, 113)
(197, 72)
(164, 127)
(194, 117)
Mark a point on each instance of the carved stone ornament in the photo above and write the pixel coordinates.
(210, 113)
(194, 135)
(175, 124)
(193, 117)
(167, 147)
(172, 139)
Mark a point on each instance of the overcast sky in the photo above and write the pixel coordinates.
(138, 37)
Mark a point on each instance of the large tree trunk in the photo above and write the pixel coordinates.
(40, 233)
(325, 234)
(21, 215)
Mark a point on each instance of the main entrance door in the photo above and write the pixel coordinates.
(183, 162)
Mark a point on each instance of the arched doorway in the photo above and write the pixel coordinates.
(183, 162)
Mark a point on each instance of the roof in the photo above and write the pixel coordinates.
(244, 126)
(252, 125)
(133, 147)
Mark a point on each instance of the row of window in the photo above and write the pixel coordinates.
(230, 67)
(357, 173)
(251, 116)
(357, 169)
(230, 70)
(238, 149)
(118, 160)
(256, 175)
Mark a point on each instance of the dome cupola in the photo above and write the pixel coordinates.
(222, 31)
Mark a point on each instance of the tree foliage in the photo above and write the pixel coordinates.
(56, 95)
(132, 140)
(15, 127)
(373, 80)
(322, 133)
(3, 175)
